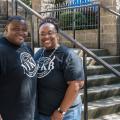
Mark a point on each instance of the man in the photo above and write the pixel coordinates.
(17, 73)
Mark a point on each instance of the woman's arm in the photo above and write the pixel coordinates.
(70, 96)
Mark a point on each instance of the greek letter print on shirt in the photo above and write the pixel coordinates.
(46, 65)
(28, 64)
(17, 81)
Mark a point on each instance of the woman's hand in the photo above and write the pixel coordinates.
(56, 115)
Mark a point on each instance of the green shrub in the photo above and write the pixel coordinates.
(28, 2)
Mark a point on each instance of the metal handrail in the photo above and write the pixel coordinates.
(85, 51)
(110, 10)
(90, 53)
(29, 9)
(64, 8)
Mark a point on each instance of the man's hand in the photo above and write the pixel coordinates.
(0, 117)
(57, 116)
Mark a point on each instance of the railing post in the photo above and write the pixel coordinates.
(99, 27)
(35, 31)
(36, 5)
(7, 7)
(85, 88)
(74, 25)
(14, 11)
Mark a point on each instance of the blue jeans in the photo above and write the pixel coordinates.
(72, 114)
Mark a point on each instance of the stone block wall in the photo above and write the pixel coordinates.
(3, 7)
(109, 25)
(86, 37)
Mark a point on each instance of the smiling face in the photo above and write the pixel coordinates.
(16, 32)
(48, 36)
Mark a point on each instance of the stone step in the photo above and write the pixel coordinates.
(100, 52)
(97, 70)
(2, 30)
(1, 34)
(115, 116)
(2, 26)
(108, 59)
(3, 17)
(104, 79)
(103, 107)
(3, 21)
(102, 92)
(111, 59)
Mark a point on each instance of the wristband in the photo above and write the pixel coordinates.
(60, 111)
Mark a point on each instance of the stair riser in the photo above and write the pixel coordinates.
(111, 60)
(100, 52)
(103, 111)
(98, 71)
(1, 29)
(3, 21)
(102, 94)
(104, 81)
(3, 17)
(2, 25)
(1, 34)
(114, 60)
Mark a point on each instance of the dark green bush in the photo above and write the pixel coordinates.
(28, 2)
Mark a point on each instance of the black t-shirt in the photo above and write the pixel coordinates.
(56, 68)
(17, 81)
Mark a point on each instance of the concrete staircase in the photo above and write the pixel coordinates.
(103, 86)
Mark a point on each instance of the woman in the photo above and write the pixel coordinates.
(60, 76)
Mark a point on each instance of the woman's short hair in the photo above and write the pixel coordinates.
(50, 20)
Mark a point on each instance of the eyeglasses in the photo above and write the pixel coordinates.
(49, 33)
